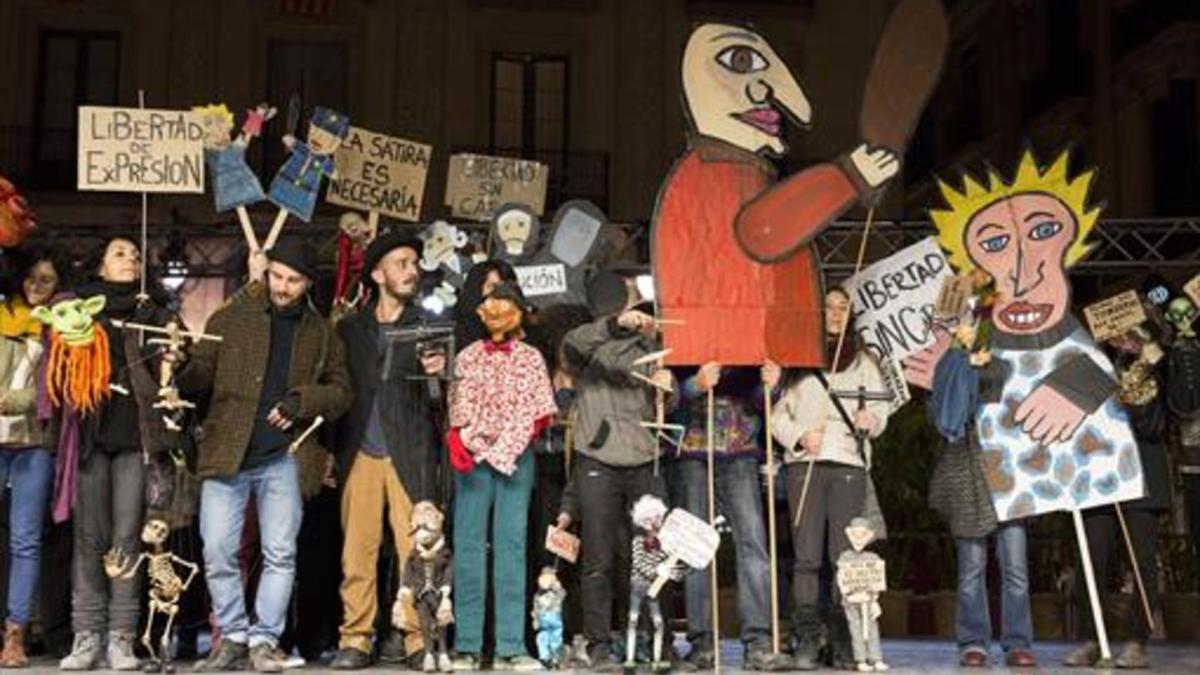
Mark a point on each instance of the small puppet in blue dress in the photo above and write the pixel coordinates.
(234, 184)
(295, 187)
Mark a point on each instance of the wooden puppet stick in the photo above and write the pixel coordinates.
(712, 521)
(276, 228)
(652, 357)
(145, 226)
(1137, 570)
(247, 228)
(771, 536)
(373, 223)
(295, 445)
(1089, 576)
(650, 381)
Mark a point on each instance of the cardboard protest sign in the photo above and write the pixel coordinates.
(562, 544)
(1192, 289)
(1114, 316)
(139, 150)
(862, 576)
(380, 173)
(477, 185)
(689, 539)
(952, 298)
(893, 303)
(539, 280)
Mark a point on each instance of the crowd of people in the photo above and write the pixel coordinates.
(314, 443)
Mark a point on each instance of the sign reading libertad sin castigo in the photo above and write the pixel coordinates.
(139, 150)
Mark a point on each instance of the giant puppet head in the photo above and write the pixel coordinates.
(1025, 234)
(737, 89)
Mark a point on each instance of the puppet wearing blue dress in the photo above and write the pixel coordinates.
(234, 183)
(298, 181)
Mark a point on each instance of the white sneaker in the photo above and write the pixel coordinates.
(120, 652)
(880, 666)
(87, 653)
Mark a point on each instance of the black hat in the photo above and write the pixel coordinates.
(386, 243)
(607, 293)
(296, 254)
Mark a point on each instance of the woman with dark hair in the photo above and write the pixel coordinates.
(499, 401)
(26, 443)
(107, 451)
(811, 426)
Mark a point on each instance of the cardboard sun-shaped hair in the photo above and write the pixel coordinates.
(952, 223)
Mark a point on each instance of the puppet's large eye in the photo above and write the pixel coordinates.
(996, 243)
(742, 59)
(1045, 230)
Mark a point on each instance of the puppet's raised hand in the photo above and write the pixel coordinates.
(115, 562)
(920, 367)
(1048, 416)
(875, 165)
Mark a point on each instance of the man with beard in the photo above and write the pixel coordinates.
(279, 367)
(386, 455)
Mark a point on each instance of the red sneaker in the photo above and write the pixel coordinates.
(973, 658)
(1020, 658)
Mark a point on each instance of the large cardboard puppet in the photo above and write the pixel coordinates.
(730, 244)
(1052, 434)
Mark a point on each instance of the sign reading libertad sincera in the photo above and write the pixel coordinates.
(139, 150)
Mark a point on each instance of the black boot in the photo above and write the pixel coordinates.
(806, 638)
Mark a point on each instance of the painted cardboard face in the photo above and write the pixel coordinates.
(859, 534)
(442, 241)
(737, 89)
(1022, 242)
(356, 228)
(514, 229)
(72, 319)
(322, 142)
(216, 124)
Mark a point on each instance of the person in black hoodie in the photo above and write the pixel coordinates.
(1139, 364)
(114, 441)
(386, 450)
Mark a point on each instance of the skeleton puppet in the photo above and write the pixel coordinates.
(427, 580)
(166, 586)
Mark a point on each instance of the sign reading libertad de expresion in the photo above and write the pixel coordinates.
(380, 173)
(139, 150)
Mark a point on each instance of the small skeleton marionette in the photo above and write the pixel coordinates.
(861, 577)
(427, 579)
(650, 563)
(166, 586)
(548, 619)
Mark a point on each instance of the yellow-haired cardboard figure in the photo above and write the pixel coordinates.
(1051, 432)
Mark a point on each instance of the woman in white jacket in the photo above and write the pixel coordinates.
(808, 426)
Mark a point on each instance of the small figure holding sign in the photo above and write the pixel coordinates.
(653, 565)
(861, 577)
(298, 181)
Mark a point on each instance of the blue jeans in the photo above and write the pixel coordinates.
(276, 488)
(29, 473)
(973, 624)
(481, 496)
(739, 498)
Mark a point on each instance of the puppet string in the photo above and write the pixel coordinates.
(862, 250)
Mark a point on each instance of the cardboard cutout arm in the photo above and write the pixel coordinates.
(1082, 382)
(787, 216)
